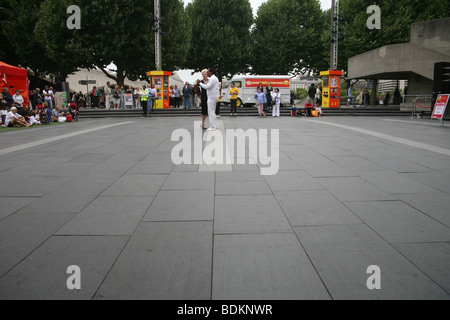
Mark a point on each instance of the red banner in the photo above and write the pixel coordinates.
(276, 83)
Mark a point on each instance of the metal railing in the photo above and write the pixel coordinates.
(420, 102)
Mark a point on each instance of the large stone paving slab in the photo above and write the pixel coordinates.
(354, 189)
(249, 214)
(43, 275)
(342, 254)
(314, 208)
(398, 222)
(263, 267)
(9, 205)
(70, 198)
(436, 205)
(163, 260)
(395, 183)
(289, 181)
(109, 216)
(189, 181)
(136, 185)
(21, 234)
(432, 258)
(188, 205)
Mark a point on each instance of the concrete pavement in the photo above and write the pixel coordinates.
(105, 195)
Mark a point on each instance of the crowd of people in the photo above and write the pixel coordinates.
(40, 110)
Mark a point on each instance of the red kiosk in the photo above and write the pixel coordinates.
(331, 88)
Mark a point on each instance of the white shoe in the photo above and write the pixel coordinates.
(212, 129)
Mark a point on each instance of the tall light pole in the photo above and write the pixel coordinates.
(157, 30)
(334, 34)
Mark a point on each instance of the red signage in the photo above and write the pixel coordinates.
(276, 83)
(441, 105)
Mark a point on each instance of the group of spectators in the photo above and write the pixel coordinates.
(313, 106)
(41, 109)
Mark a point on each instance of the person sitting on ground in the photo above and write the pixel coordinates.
(295, 112)
(33, 119)
(13, 119)
(308, 108)
(43, 119)
(73, 110)
(25, 112)
(58, 116)
(48, 111)
(319, 109)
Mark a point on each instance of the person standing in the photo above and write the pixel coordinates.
(171, 96)
(233, 99)
(48, 94)
(108, 96)
(187, 96)
(177, 96)
(219, 101)
(312, 93)
(349, 95)
(261, 99)
(130, 91)
(204, 98)
(213, 90)
(18, 99)
(38, 100)
(3, 110)
(122, 98)
(366, 97)
(144, 99)
(8, 98)
(260, 86)
(276, 107)
(319, 95)
(269, 92)
(116, 97)
(153, 96)
(137, 98)
(95, 98)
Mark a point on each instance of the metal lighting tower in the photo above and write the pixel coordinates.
(334, 34)
(157, 30)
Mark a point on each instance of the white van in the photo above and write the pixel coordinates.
(247, 88)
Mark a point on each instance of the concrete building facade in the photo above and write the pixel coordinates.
(413, 61)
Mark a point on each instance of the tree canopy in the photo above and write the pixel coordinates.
(288, 36)
(396, 19)
(114, 31)
(220, 36)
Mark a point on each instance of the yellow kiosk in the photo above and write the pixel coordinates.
(161, 81)
(331, 88)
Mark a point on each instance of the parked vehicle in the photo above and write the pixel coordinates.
(247, 88)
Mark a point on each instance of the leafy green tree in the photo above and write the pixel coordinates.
(396, 19)
(114, 31)
(220, 36)
(288, 36)
(20, 45)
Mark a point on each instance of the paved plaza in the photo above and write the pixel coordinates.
(105, 195)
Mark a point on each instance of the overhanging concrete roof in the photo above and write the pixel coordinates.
(395, 62)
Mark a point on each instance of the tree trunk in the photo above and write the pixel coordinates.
(373, 96)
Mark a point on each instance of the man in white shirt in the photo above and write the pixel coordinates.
(13, 119)
(48, 94)
(213, 90)
(108, 95)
